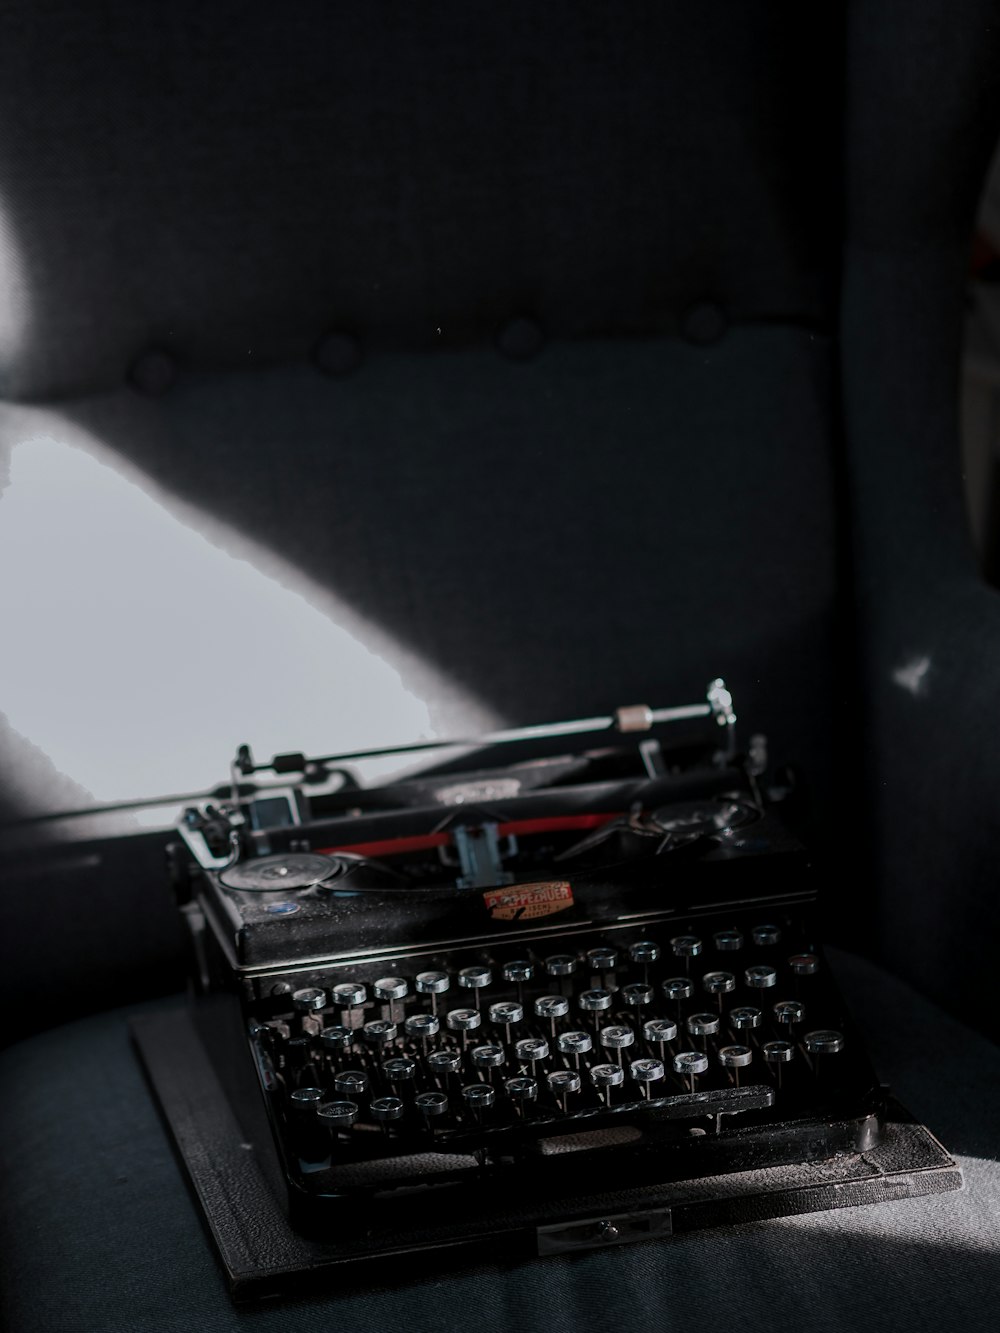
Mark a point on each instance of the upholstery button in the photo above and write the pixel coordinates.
(703, 323)
(153, 372)
(520, 339)
(338, 353)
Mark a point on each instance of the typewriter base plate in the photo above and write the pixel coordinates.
(263, 1257)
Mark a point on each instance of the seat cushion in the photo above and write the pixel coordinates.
(99, 1234)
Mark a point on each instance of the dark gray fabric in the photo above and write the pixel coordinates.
(99, 1235)
(231, 180)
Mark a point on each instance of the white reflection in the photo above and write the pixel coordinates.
(137, 653)
(13, 296)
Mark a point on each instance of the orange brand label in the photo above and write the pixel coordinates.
(527, 902)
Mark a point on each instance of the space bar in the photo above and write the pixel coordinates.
(713, 1101)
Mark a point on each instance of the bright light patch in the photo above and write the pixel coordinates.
(912, 676)
(137, 654)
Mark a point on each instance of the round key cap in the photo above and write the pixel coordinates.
(678, 988)
(519, 970)
(760, 977)
(400, 1069)
(616, 1038)
(337, 1115)
(422, 1026)
(686, 946)
(778, 1052)
(646, 1072)
(703, 1025)
(532, 1049)
(744, 1018)
(379, 1032)
(310, 999)
(551, 1006)
(824, 1041)
(766, 935)
(560, 964)
(336, 1040)
(521, 1091)
(488, 1057)
(728, 941)
(391, 988)
(306, 1099)
(636, 994)
(659, 1030)
(506, 1012)
(562, 1083)
(606, 1077)
(432, 983)
(442, 1063)
(735, 1058)
(386, 1109)
(348, 994)
(644, 951)
(463, 1020)
(804, 964)
(789, 1012)
(351, 1082)
(478, 1097)
(593, 1001)
(575, 1044)
(718, 983)
(602, 960)
(689, 1064)
(474, 978)
(431, 1104)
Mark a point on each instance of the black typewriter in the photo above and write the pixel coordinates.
(558, 987)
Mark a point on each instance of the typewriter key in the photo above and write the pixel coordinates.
(400, 1070)
(760, 978)
(349, 996)
(422, 1027)
(306, 1099)
(337, 1116)
(689, 1064)
(616, 1038)
(464, 1021)
(385, 1110)
(637, 995)
(391, 990)
(474, 979)
(432, 984)
(443, 1063)
(804, 964)
(728, 941)
(561, 965)
(686, 947)
(531, 1050)
(765, 936)
(488, 1057)
(678, 989)
(310, 1000)
(719, 984)
(644, 952)
(703, 1025)
(551, 1007)
(351, 1082)
(595, 1002)
(821, 1045)
(777, 1054)
(478, 1097)
(431, 1105)
(788, 1013)
(606, 1077)
(646, 1072)
(379, 1032)
(658, 1031)
(561, 1083)
(519, 970)
(336, 1040)
(735, 1058)
(602, 962)
(521, 1091)
(507, 1013)
(744, 1018)
(575, 1044)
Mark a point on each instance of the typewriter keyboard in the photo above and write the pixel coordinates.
(471, 1058)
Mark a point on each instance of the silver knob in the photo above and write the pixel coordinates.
(616, 1038)
(744, 1017)
(521, 1091)
(387, 1109)
(606, 1077)
(602, 960)
(789, 1012)
(391, 988)
(678, 989)
(644, 951)
(804, 964)
(719, 984)
(432, 984)
(508, 1013)
(689, 1064)
(475, 978)
(646, 1072)
(443, 1063)
(659, 1030)
(703, 1025)
(400, 1069)
(478, 1097)
(348, 994)
(310, 999)
(351, 1082)
(337, 1115)
(422, 1026)
(518, 970)
(563, 1082)
(766, 935)
(636, 994)
(760, 977)
(594, 1001)
(532, 1049)
(431, 1104)
(551, 1007)
(379, 1032)
(561, 965)
(824, 1041)
(575, 1044)
(686, 947)
(778, 1054)
(464, 1021)
(306, 1099)
(488, 1057)
(728, 941)
(336, 1040)
(735, 1058)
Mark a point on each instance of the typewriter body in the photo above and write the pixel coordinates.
(523, 992)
